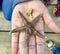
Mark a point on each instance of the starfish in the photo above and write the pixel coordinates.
(29, 25)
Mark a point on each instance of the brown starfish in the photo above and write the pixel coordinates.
(29, 25)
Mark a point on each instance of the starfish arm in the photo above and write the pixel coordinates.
(27, 34)
(39, 34)
(23, 18)
(18, 29)
(36, 32)
(36, 19)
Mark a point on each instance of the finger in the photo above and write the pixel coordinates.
(40, 41)
(18, 52)
(22, 43)
(32, 49)
(16, 22)
(40, 45)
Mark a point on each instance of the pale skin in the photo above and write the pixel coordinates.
(38, 8)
